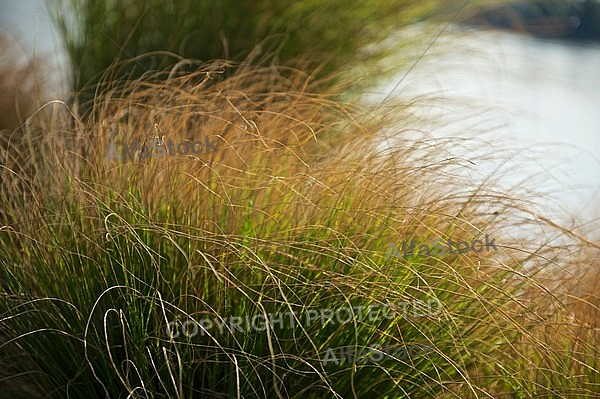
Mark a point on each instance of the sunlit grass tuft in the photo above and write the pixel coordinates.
(293, 212)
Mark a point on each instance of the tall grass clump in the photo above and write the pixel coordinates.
(293, 213)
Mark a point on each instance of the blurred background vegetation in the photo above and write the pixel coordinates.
(322, 37)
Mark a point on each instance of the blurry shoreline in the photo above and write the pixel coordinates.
(567, 20)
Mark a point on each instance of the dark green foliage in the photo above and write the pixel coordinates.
(330, 34)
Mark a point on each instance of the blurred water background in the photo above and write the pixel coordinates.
(537, 101)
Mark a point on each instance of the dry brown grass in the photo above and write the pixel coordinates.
(21, 83)
(297, 177)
